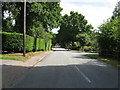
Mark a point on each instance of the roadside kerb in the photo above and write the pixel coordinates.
(40, 59)
(12, 73)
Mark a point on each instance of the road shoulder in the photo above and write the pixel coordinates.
(12, 71)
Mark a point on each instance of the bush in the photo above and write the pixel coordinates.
(40, 44)
(87, 48)
(13, 42)
(48, 45)
(29, 43)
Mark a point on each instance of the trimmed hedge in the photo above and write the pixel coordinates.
(48, 45)
(29, 43)
(40, 44)
(13, 42)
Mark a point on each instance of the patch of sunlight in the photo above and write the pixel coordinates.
(105, 60)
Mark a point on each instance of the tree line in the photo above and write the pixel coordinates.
(41, 18)
(109, 35)
(74, 32)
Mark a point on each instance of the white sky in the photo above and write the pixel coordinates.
(95, 11)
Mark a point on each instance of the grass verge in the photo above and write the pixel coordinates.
(80, 51)
(19, 56)
(111, 61)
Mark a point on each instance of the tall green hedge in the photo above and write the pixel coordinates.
(13, 42)
(40, 44)
(29, 43)
(48, 45)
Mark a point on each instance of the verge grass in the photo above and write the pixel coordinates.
(111, 61)
(19, 56)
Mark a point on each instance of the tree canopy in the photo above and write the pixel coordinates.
(71, 28)
(42, 17)
(109, 35)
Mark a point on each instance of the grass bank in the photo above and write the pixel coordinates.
(111, 61)
(19, 56)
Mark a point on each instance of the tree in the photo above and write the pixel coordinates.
(109, 35)
(8, 26)
(83, 39)
(71, 26)
(116, 12)
(46, 14)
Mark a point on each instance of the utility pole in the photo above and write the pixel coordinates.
(24, 34)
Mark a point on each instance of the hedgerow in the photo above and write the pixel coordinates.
(13, 42)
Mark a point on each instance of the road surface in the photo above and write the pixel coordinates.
(67, 69)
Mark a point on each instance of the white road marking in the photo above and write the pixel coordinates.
(65, 54)
(83, 74)
(79, 69)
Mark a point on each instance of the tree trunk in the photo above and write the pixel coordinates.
(82, 48)
(19, 26)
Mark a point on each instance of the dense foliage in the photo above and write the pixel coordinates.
(45, 13)
(74, 31)
(109, 35)
(41, 18)
(13, 42)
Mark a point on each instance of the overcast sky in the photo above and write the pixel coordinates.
(95, 11)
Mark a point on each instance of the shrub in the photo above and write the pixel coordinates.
(42, 44)
(29, 43)
(13, 42)
(48, 45)
(87, 48)
(39, 44)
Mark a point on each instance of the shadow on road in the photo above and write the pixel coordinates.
(60, 76)
(81, 57)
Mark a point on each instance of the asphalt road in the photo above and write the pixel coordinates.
(66, 69)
